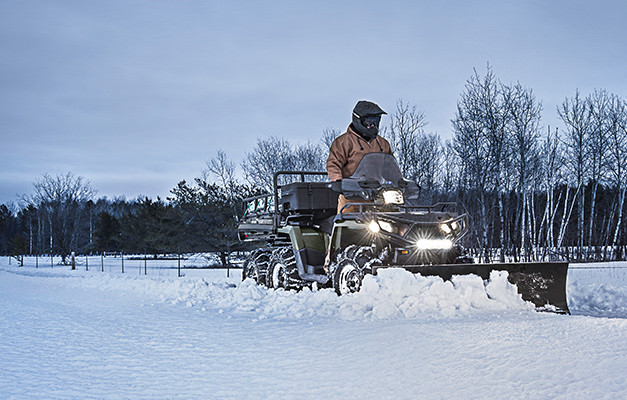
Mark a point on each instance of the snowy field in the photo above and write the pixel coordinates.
(106, 335)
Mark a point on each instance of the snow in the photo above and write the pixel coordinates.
(106, 335)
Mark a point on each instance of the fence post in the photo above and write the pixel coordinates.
(102, 262)
(122, 258)
(51, 260)
(36, 260)
(86, 263)
(145, 263)
(73, 261)
(179, 264)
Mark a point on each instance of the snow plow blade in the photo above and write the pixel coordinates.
(542, 283)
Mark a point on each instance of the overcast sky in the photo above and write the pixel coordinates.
(137, 95)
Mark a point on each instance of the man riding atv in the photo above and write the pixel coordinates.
(347, 150)
(361, 138)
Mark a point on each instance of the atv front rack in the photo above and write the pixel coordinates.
(450, 207)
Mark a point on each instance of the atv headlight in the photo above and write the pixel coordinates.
(449, 228)
(374, 226)
(434, 244)
(393, 196)
(386, 226)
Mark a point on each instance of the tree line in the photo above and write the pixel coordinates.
(531, 191)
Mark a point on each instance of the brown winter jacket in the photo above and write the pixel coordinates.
(347, 151)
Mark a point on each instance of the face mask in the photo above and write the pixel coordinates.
(371, 121)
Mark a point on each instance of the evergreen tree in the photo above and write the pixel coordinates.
(107, 232)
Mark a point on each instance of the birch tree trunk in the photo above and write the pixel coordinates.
(621, 200)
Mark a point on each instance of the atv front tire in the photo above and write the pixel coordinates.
(347, 277)
(350, 267)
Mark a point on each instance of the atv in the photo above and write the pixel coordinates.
(307, 242)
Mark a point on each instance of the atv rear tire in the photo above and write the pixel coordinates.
(256, 266)
(277, 277)
(282, 272)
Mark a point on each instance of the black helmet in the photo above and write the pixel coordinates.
(366, 118)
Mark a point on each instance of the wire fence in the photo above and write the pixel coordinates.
(138, 264)
(573, 254)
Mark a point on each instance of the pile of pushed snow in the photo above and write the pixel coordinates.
(399, 293)
(392, 294)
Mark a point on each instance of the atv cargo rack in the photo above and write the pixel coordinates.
(302, 202)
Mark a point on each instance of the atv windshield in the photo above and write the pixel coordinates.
(380, 167)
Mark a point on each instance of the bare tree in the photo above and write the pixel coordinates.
(479, 138)
(617, 155)
(597, 143)
(472, 147)
(60, 188)
(328, 136)
(62, 199)
(309, 157)
(449, 170)
(523, 133)
(428, 161)
(575, 113)
(222, 168)
(496, 106)
(551, 157)
(406, 127)
(224, 172)
(269, 156)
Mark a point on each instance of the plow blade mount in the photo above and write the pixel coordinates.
(542, 283)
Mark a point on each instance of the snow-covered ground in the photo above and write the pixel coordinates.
(106, 335)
